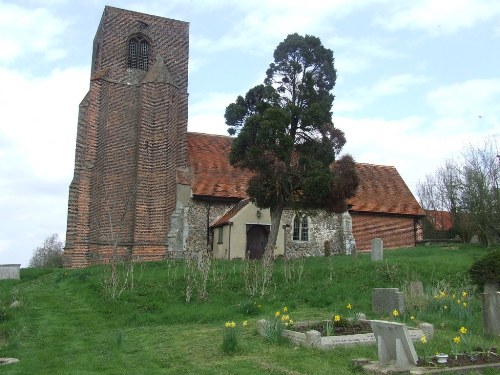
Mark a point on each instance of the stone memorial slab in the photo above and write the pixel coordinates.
(416, 288)
(10, 271)
(386, 300)
(394, 344)
(377, 249)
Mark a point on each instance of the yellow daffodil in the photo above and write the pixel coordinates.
(412, 317)
(453, 296)
(443, 294)
(285, 318)
(463, 330)
(465, 304)
(445, 307)
(395, 312)
(336, 318)
(423, 339)
(464, 294)
(458, 301)
(436, 296)
(277, 314)
(233, 325)
(285, 309)
(349, 306)
(456, 339)
(245, 323)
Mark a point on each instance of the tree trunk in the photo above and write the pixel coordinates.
(276, 214)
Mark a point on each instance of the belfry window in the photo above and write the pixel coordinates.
(300, 228)
(138, 51)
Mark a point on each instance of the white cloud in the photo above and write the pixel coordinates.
(23, 31)
(37, 143)
(439, 17)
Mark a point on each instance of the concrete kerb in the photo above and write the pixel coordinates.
(313, 338)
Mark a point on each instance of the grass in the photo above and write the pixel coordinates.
(66, 325)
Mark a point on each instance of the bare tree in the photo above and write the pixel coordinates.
(469, 190)
(49, 254)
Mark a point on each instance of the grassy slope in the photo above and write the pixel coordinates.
(66, 326)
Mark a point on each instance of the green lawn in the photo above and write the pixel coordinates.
(65, 324)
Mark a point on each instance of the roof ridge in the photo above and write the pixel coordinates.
(209, 134)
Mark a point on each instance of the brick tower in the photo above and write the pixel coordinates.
(131, 139)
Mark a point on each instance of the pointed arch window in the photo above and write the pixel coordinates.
(138, 53)
(301, 228)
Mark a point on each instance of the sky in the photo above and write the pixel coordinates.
(418, 80)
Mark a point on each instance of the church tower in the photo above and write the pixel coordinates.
(131, 140)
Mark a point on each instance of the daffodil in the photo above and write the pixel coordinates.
(285, 309)
(465, 304)
(395, 312)
(233, 325)
(412, 317)
(443, 294)
(285, 318)
(277, 314)
(336, 318)
(445, 307)
(463, 330)
(423, 339)
(456, 339)
(245, 323)
(464, 294)
(436, 296)
(349, 306)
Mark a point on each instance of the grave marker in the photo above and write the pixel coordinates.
(377, 249)
(394, 344)
(386, 300)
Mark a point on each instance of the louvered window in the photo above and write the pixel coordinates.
(138, 52)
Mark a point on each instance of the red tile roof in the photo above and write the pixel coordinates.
(229, 214)
(381, 190)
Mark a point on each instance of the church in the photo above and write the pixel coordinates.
(146, 188)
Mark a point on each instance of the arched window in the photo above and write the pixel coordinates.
(138, 51)
(300, 228)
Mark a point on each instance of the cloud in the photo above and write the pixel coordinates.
(469, 106)
(386, 86)
(37, 143)
(207, 115)
(23, 31)
(439, 17)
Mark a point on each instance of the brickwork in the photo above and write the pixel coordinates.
(395, 231)
(131, 140)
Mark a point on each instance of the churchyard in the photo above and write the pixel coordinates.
(63, 321)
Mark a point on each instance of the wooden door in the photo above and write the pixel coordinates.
(256, 241)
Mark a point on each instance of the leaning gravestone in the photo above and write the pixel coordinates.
(386, 300)
(377, 249)
(10, 271)
(394, 344)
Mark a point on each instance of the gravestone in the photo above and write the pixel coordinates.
(491, 313)
(386, 300)
(10, 271)
(415, 289)
(377, 249)
(394, 344)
